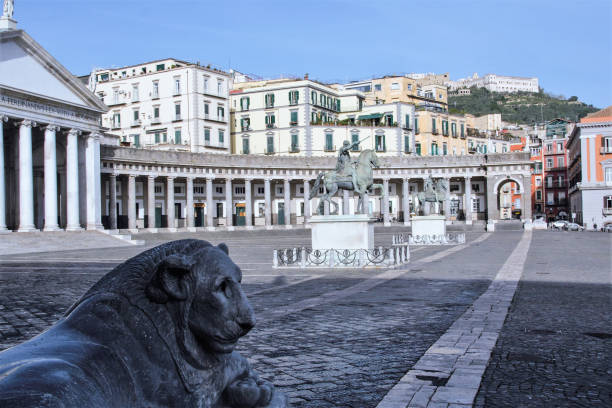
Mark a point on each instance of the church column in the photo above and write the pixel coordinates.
(3, 228)
(112, 201)
(406, 200)
(526, 198)
(248, 203)
(170, 203)
(385, 203)
(468, 201)
(229, 207)
(26, 178)
(268, 207)
(50, 165)
(98, 180)
(72, 181)
(189, 210)
(131, 203)
(447, 200)
(209, 204)
(93, 218)
(287, 202)
(307, 212)
(346, 203)
(151, 204)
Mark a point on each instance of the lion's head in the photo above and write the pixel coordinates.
(204, 286)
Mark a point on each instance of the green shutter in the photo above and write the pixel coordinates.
(433, 125)
(245, 146)
(272, 101)
(416, 125)
(418, 148)
(408, 121)
(272, 119)
(384, 143)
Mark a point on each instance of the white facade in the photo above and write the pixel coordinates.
(167, 105)
(496, 83)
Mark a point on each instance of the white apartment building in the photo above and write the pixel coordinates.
(306, 118)
(496, 83)
(166, 105)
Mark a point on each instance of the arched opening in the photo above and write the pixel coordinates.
(510, 200)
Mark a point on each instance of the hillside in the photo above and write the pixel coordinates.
(522, 107)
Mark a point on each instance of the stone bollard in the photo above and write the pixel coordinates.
(407, 253)
(275, 258)
(391, 256)
(303, 258)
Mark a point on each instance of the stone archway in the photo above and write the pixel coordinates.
(501, 202)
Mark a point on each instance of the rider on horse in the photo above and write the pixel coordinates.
(345, 167)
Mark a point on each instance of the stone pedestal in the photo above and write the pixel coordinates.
(342, 231)
(7, 23)
(428, 225)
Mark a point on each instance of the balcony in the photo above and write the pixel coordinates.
(293, 123)
(269, 151)
(435, 132)
(269, 105)
(177, 118)
(294, 149)
(407, 127)
(270, 126)
(155, 121)
(116, 126)
(606, 211)
(136, 123)
(605, 150)
(245, 129)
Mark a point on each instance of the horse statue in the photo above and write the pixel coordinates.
(334, 181)
(435, 192)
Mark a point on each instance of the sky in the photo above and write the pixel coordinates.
(566, 44)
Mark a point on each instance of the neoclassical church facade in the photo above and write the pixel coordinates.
(60, 170)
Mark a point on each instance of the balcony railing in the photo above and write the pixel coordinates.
(136, 122)
(116, 126)
(155, 121)
(270, 126)
(605, 150)
(606, 211)
(435, 132)
(245, 128)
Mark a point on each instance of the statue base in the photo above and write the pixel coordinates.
(342, 231)
(428, 225)
(7, 23)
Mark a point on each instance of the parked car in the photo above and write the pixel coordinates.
(572, 226)
(539, 223)
(607, 228)
(559, 224)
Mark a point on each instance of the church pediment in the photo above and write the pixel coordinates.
(25, 66)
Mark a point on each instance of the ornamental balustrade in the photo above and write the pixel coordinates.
(340, 258)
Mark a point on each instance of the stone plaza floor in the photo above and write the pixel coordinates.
(510, 319)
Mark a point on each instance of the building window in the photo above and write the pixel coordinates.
(453, 129)
(270, 144)
(221, 113)
(270, 120)
(539, 195)
(136, 140)
(550, 198)
(116, 120)
(560, 161)
(177, 86)
(294, 97)
(219, 88)
(444, 149)
(206, 135)
(406, 144)
(549, 182)
(135, 96)
(244, 103)
(294, 118)
(219, 190)
(136, 117)
(177, 111)
(313, 97)
(155, 93)
(245, 124)
(559, 147)
(462, 129)
(381, 145)
(245, 145)
(115, 96)
(607, 203)
(329, 142)
(156, 112)
(239, 190)
(417, 148)
(295, 147)
(549, 148)
(549, 163)
(377, 87)
(354, 139)
(608, 174)
(221, 134)
(433, 126)
(606, 145)
(395, 86)
(434, 149)
(206, 78)
(475, 205)
(538, 181)
(177, 136)
(269, 100)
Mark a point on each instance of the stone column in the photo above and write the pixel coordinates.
(170, 203)
(50, 164)
(492, 211)
(268, 201)
(98, 181)
(287, 201)
(248, 203)
(131, 203)
(447, 200)
(406, 200)
(91, 185)
(3, 228)
(112, 202)
(468, 201)
(151, 204)
(346, 203)
(229, 207)
(189, 210)
(307, 212)
(72, 181)
(26, 178)
(526, 195)
(209, 204)
(385, 203)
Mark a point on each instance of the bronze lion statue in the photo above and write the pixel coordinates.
(159, 330)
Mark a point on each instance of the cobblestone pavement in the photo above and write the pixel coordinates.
(352, 351)
(555, 349)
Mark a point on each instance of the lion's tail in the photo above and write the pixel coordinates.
(315, 188)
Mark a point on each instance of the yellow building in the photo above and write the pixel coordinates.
(438, 133)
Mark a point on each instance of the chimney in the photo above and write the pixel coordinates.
(306, 75)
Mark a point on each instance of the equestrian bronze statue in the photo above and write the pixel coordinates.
(435, 193)
(349, 175)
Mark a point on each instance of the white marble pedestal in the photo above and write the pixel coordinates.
(342, 231)
(428, 225)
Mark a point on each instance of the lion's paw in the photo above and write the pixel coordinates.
(251, 392)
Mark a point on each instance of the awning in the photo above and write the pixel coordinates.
(370, 116)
